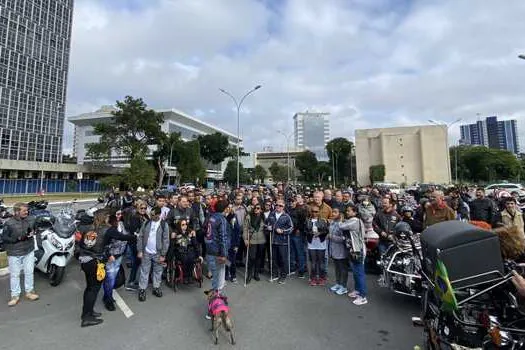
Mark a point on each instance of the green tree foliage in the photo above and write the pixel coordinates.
(259, 173)
(322, 171)
(132, 129)
(377, 173)
(339, 151)
(167, 146)
(306, 163)
(230, 173)
(190, 165)
(214, 147)
(278, 172)
(140, 173)
(481, 164)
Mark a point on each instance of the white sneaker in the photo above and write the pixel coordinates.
(341, 291)
(354, 294)
(336, 287)
(360, 301)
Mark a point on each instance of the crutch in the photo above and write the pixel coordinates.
(247, 261)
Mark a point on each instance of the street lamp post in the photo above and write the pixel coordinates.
(287, 137)
(238, 105)
(448, 126)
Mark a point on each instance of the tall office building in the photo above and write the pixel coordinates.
(492, 133)
(35, 38)
(312, 132)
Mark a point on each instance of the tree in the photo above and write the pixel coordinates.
(339, 152)
(190, 165)
(484, 164)
(259, 173)
(322, 171)
(377, 173)
(278, 172)
(140, 173)
(168, 146)
(306, 163)
(132, 129)
(230, 173)
(214, 147)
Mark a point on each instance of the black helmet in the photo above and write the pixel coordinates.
(402, 227)
(406, 208)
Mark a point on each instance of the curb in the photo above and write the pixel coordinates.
(4, 271)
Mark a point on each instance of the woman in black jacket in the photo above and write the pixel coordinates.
(90, 252)
(133, 221)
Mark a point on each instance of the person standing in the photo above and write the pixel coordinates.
(482, 208)
(280, 224)
(298, 213)
(384, 222)
(438, 210)
(511, 216)
(254, 238)
(339, 254)
(132, 223)
(19, 245)
(316, 232)
(152, 246)
(217, 238)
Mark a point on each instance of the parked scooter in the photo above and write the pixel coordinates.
(4, 215)
(54, 244)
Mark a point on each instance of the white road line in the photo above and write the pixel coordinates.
(122, 305)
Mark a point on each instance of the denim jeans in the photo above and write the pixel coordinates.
(150, 262)
(135, 264)
(297, 254)
(218, 272)
(280, 256)
(112, 269)
(358, 270)
(16, 265)
(383, 246)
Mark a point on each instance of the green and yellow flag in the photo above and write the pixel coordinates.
(444, 288)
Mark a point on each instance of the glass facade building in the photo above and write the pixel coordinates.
(312, 132)
(492, 133)
(35, 38)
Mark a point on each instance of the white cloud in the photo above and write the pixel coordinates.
(369, 63)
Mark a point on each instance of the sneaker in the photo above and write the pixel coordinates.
(142, 295)
(208, 316)
(109, 303)
(301, 275)
(32, 296)
(354, 294)
(13, 301)
(360, 301)
(157, 292)
(234, 280)
(313, 282)
(131, 287)
(321, 282)
(336, 287)
(341, 291)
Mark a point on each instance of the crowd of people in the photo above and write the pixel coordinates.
(279, 231)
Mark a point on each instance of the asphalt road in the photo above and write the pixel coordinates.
(266, 316)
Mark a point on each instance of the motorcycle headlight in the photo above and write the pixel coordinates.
(70, 245)
(55, 242)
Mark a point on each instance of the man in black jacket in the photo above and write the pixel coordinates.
(298, 213)
(482, 208)
(19, 244)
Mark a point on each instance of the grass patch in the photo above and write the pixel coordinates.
(51, 197)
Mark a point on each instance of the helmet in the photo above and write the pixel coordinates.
(402, 227)
(406, 208)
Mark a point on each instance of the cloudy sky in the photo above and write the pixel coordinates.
(370, 63)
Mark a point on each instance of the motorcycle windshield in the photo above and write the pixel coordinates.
(64, 227)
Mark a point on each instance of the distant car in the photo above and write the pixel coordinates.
(188, 186)
(392, 187)
(489, 190)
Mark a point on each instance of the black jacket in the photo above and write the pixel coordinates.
(298, 215)
(322, 229)
(482, 210)
(17, 241)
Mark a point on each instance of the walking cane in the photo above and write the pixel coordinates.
(289, 256)
(247, 261)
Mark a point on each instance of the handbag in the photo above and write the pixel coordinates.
(121, 278)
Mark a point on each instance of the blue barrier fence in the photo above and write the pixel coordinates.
(32, 186)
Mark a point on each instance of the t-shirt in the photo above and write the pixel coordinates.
(151, 246)
(316, 242)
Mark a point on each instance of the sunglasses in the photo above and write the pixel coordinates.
(142, 208)
(257, 208)
(315, 211)
(280, 205)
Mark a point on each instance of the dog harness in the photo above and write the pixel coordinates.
(217, 305)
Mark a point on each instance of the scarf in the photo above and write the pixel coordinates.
(255, 221)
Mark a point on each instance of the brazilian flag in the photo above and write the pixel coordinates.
(444, 288)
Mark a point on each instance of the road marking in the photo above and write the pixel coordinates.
(122, 305)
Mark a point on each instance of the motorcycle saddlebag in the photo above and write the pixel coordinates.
(471, 255)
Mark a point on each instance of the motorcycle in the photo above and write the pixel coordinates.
(470, 302)
(4, 215)
(54, 244)
(401, 263)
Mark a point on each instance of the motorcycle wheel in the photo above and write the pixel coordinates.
(56, 275)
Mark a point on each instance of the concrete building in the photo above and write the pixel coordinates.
(35, 39)
(174, 121)
(266, 159)
(409, 154)
(492, 133)
(312, 132)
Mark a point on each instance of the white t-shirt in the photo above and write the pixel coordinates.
(151, 246)
(316, 242)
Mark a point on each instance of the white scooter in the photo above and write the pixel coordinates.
(57, 237)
